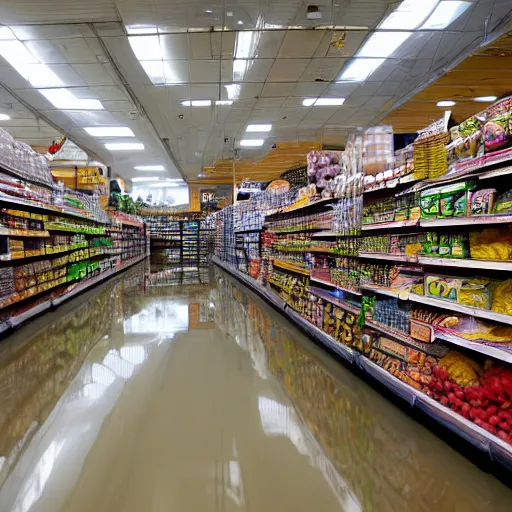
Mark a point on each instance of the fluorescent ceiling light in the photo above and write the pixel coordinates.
(327, 102)
(141, 29)
(146, 168)
(65, 100)
(258, 128)
(146, 47)
(485, 99)
(240, 66)
(383, 44)
(163, 184)
(125, 146)
(4, 117)
(409, 15)
(446, 103)
(240, 22)
(309, 102)
(245, 44)
(359, 70)
(109, 131)
(233, 91)
(252, 143)
(445, 14)
(224, 102)
(27, 65)
(197, 103)
(151, 178)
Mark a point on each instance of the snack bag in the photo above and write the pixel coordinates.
(496, 132)
(482, 201)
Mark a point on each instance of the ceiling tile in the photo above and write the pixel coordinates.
(228, 44)
(257, 70)
(174, 46)
(239, 115)
(243, 91)
(94, 74)
(300, 43)
(309, 89)
(269, 103)
(343, 90)
(264, 115)
(269, 43)
(287, 70)
(277, 90)
(324, 70)
(319, 114)
(352, 42)
(291, 115)
(204, 71)
(201, 45)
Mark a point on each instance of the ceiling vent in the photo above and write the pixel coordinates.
(313, 13)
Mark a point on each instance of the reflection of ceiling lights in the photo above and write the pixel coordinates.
(323, 102)
(245, 48)
(146, 47)
(141, 29)
(125, 146)
(445, 14)
(485, 99)
(197, 103)
(66, 100)
(258, 128)
(359, 70)
(4, 117)
(109, 131)
(252, 143)
(146, 168)
(133, 354)
(233, 91)
(446, 103)
(164, 184)
(383, 44)
(409, 15)
(150, 178)
(224, 103)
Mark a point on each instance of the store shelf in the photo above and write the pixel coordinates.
(382, 290)
(473, 220)
(326, 234)
(330, 283)
(334, 300)
(243, 231)
(392, 184)
(428, 348)
(291, 268)
(30, 233)
(397, 224)
(313, 204)
(386, 257)
(478, 437)
(72, 229)
(94, 281)
(466, 263)
(17, 320)
(29, 205)
(460, 308)
(503, 353)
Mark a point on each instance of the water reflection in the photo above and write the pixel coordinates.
(191, 388)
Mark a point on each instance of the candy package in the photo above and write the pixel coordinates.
(496, 132)
(482, 201)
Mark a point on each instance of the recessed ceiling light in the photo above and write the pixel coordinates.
(125, 146)
(258, 128)
(309, 102)
(240, 22)
(445, 14)
(150, 178)
(208, 11)
(141, 29)
(109, 131)
(327, 102)
(66, 100)
(4, 117)
(409, 15)
(383, 44)
(233, 90)
(229, 13)
(146, 168)
(485, 99)
(252, 143)
(323, 102)
(197, 103)
(359, 70)
(446, 103)
(224, 102)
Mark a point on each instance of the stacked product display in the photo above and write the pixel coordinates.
(398, 261)
(180, 241)
(54, 241)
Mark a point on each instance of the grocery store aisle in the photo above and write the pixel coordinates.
(162, 392)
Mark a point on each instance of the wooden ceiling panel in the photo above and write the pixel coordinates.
(486, 73)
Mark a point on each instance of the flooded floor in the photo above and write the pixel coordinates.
(182, 391)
